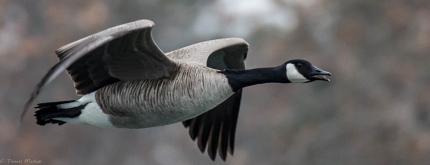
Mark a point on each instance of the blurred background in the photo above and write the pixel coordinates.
(375, 111)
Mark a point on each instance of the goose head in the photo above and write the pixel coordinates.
(302, 71)
(293, 71)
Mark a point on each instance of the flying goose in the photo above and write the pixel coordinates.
(126, 81)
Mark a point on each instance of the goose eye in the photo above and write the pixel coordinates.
(299, 65)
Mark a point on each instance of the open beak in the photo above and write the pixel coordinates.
(319, 74)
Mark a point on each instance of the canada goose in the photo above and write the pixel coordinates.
(126, 81)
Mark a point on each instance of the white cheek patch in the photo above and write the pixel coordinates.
(294, 75)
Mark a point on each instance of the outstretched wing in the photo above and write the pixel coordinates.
(124, 52)
(215, 129)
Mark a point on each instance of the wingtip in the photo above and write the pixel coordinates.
(231, 148)
(201, 145)
(223, 157)
(24, 112)
(28, 103)
(212, 156)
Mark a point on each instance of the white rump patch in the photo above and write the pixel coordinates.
(92, 114)
(294, 75)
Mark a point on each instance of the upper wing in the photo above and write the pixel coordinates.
(215, 129)
(214, 53)
(124, 52)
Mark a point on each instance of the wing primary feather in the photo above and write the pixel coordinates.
(194, 128)
(204, 133)
(235, 114)
(213, 144)
(225, 130)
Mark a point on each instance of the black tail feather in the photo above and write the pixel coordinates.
(48, 111)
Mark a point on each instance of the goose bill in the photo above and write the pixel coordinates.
(321, 77)
(319, 74)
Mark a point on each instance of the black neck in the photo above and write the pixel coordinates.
(239, 79)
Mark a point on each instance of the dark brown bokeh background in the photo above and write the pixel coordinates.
(375, 111)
